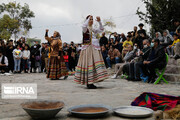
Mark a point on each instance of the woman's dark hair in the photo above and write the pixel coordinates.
(157, 40)
(88, 17)
(58, 35)
(18, 45)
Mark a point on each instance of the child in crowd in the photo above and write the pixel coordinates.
(25, 58)
(66, 59)
(17, 54)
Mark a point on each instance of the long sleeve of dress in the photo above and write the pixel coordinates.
(48, 38)
(85, 25)
(100, 29)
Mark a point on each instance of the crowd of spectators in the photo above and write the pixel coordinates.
(135, 53)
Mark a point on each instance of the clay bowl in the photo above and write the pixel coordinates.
(42, 109)
(89, 111)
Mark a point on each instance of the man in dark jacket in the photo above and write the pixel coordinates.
(103, 40)
(34, 53)
(156, 60)
(143, 55)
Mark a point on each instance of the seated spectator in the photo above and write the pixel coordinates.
(3, 63)
(159, 36)
(141, 56)
(177, 47)
(156, 60)
(25, 58)
(170, 48)
(113, 56)
(119, 66)
(125, 44)
(17, 54)
(167, 39)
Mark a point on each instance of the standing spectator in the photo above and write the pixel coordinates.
(123, 38)
(141, 36)
(141, 30)
(65, 46)
(66, 59)
(35, 56)
(135, 32)
(9, 52)
(3, 63)
(25, 58)
(103, 40)
(3, 47)
(113, 56)
(177, 24)
(43, 56)
(47, 57)
(17, 54)
(104, 54)
(72, 56)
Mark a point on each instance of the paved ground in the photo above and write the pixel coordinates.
(112, 92)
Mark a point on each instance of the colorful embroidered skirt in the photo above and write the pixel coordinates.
(57, 68)
(91, 67)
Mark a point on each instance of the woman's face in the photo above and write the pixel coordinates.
(91, 21)
(55, 34)
(157, 35)
(26, 47)
(164, 33)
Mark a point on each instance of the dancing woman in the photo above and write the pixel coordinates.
(91, 68)
(57, 67)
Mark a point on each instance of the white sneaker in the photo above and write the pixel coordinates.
(8, 74)
(109, 68)
(114, 76)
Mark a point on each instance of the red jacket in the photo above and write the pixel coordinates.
(66, 57)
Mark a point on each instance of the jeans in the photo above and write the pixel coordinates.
(17, 63)
(67, 65)
(108, 60)
(25, 62)
(170, 50)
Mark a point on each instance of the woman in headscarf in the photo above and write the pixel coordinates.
(167, 39)
(57, 67)
(159, 36)
(91, 68)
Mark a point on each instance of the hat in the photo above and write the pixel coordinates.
(141, 24)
